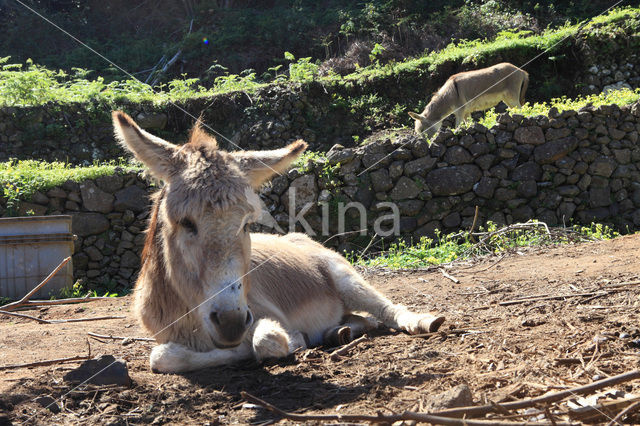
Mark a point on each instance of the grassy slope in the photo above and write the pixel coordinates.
(34, 85)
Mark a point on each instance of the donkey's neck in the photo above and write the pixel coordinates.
(442, 104)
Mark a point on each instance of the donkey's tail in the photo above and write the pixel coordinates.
(523, 88)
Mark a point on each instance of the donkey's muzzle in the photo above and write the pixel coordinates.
(232, 325)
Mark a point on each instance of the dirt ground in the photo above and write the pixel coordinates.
(502, 352)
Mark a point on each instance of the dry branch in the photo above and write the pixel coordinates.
(48, 362)
(139, 339)
(553, 397)
(62, 321)
(446, 275)
(15, 314)
(34, 303)
(630, 409)
(383, 418)
(335, 355)
(559, 296)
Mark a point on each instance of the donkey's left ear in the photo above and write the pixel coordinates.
(260, 166)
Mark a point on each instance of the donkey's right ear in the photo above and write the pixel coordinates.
(155, 153)
(416, 116)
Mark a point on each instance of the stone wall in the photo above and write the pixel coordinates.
(575, 166)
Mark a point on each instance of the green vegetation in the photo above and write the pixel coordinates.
(20, 179)
(255, 34)
(620, 97)
(31, 84)
(447, 248)
(82, 289)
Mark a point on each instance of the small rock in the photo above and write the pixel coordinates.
(459, 396)
(49, 403)
(105, 370)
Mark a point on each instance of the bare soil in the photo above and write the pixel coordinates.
(502, 352)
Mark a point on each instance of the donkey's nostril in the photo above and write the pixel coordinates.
(214, 318)
(249, 319)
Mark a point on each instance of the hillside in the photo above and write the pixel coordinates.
(205, 37)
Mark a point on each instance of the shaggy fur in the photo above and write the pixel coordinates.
(211, 293)
(470, 91)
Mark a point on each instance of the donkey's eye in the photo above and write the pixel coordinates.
(188, 224)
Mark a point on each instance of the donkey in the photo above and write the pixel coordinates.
(470, 91)
(210, 292)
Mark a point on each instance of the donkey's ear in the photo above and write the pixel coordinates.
(259, 166)
(155, 153)
(415, 116)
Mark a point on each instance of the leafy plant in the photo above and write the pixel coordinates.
(447, 248)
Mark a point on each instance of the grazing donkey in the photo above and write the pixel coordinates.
(470, 91)
(211, 293)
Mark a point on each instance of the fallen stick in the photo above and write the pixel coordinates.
(452, 278)
(33, 303)
(559, 296)
(139, 339)
(25, 298)
(383, 418)
(630, 409)
(62, 321)
(48, 362)
(553, 397)
(108, 317)
(15, 314)
(335, 355)
(572, 361)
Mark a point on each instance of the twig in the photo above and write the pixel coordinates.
(630, 409)
(15, 314)
(25, 298)
(559, 296)
(446, 275)
(33, 303)
(62, 321)
(48, 362)
(382, 418)
(473, 225)
(87, 319)
(552, 397)
(335, 355)
(573, 361)
(139, 339)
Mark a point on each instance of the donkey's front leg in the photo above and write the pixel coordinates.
(271, 340)
(176, 358)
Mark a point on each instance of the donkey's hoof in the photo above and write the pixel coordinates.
(337, 336)
(270, 344)
(414, 323)
(169, 358)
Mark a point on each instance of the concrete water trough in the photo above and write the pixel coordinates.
(30, 248)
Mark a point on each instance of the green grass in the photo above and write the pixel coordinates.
(21, 179)
(618, 97)
(447, 248)
(30, 84)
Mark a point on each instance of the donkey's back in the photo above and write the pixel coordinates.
(484, 88)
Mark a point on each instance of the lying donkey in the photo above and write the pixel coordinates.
(210, 292)
(471, 91)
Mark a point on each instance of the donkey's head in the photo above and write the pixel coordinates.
(425, 125)
(200, 235)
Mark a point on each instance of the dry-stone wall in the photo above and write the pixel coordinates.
(575, 166)
(611, 75)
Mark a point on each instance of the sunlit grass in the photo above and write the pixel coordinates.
(618, 97)
(447, 248)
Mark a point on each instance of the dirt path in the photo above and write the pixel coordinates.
(506, 352)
